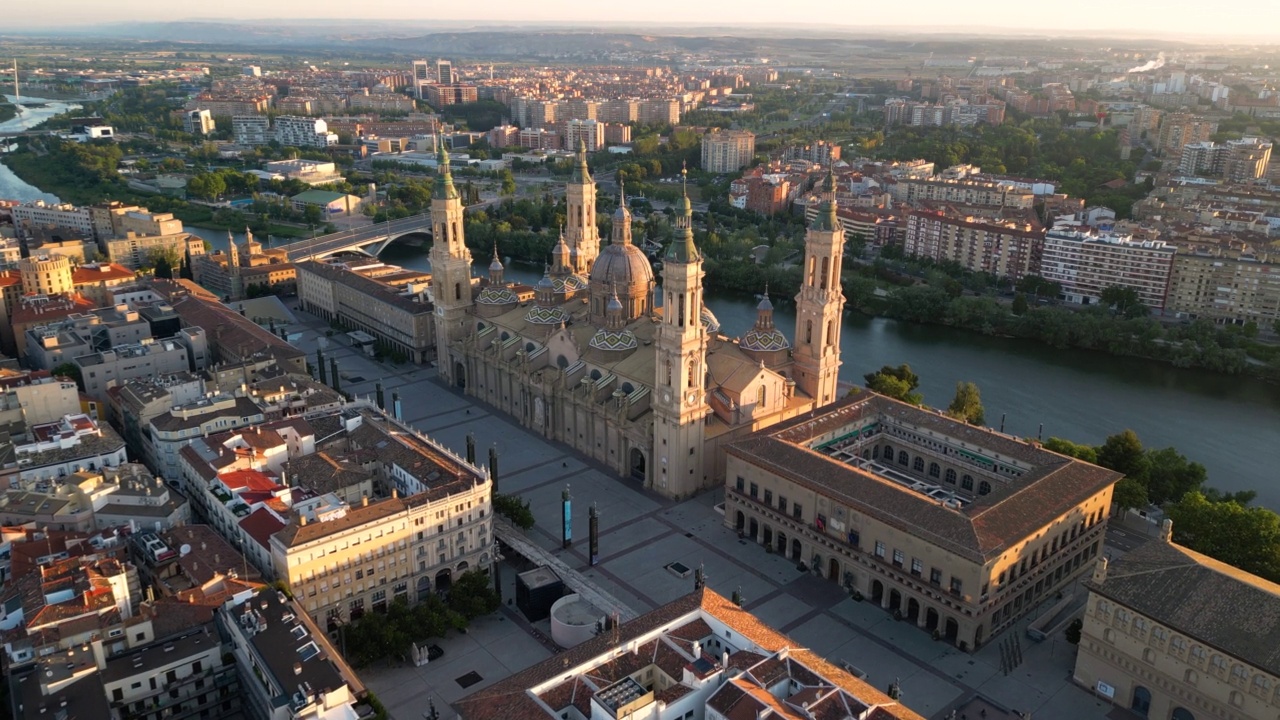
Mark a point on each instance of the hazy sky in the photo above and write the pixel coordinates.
(1140, 17)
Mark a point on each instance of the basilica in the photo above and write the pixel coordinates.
(635, 374)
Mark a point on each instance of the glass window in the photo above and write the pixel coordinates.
(934, 470)
(918, 465)
(879, 549)
(951, 476)
(917, 567)
(898, 557)
(935, 576)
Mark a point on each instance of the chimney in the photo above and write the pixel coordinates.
(1166, 531)
(302, 519)
(297, 668)
(364, 501)
(1100, 571)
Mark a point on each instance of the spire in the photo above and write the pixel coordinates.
(580, 172)
(622, 213)
(764, 311)
(826, 217)
(613, 317)
(560, 256)
(495, 267)
(444, 178)
(684, 249)
(684, 208)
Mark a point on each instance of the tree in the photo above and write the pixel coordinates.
(1124, 301)
(1170, 475)
(513, 509)
(1245, 537)
(163, 269)
(1020, 305)
(208, 186)
(1074, 631)
(899, 383)
(1065, 447)
(69, 370)
(471, 595)
(1123, 453)
(967, 404)
(1129, 493)
(508, 182)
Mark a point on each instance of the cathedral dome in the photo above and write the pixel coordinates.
(613, 340)
(622, 265)
(497, 295)
(709, 321)
(569, 283)
(764, 340)
(539, 315)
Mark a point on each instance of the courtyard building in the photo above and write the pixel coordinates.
(958, 529)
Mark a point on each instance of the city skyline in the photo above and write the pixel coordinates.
(1175, 19)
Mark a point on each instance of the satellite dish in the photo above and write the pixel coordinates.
(184, 549)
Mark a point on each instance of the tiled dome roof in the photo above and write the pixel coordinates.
(764, 340)
(709, 321)
(546, 315)
(613, 340)
(497, 295)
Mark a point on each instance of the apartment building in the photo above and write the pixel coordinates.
(251, 129)
(726, 151)
(1085, 263)
(1002, 248)
(956, 529)
(1217, 286)
(1236, 161)
(700, 656)
(120, 363)
(450, 94)
(294, 131)
(42, 214)
(198, 122)
(1177, 130)
(134, 251)
(403, 320)
(288, 670)
(664, 112)
(174, 429)
(962, 192)
(1171, 633)
(588, 133)
(66, 446)
(436, 524)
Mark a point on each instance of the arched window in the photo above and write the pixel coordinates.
(903, 458)
(888, 452)
(1182, 713)
(934, 470)
(826, 270)
(951, 476)
(680, 314)
(984, 487)
(918, 465)
(761, 395)
(693, 372)
(667, 368)
(595, 374)
(457, 291)
(808, 332)
(813, 264)
(966, 483)
(530, 347)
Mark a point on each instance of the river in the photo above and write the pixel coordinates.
(11, 186)
(1229, 424)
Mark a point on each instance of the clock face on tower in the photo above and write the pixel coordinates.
(666, 397)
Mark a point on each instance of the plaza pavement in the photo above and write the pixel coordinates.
(641, 533)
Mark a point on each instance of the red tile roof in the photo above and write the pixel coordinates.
(261, 525)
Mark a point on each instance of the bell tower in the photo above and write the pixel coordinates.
(582, 234)
(450, 273)
(680, 394)
(820, 304)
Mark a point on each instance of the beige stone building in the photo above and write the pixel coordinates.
(46, 275)
(1218, 286)
(959, 529)
(401, 319)
(133, 250)
(1172, 634)
(964, 192)
(436, 525)
(653, 391)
